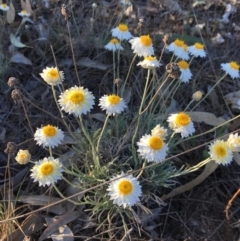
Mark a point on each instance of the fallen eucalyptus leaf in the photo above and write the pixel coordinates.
(21, 59)
(16, 42)
(10, 13)
(218, 39)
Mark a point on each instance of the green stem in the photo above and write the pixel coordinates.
(104, 126)
(114, 71)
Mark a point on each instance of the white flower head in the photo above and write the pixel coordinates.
(232, 69)
(47, 171)
(24, 13)
(220, 152)
(23, 157)
(52, 76)
(233, 142)
(181, 123)
(149, 62)
(197, 50)
(179, 48)
(113, 104)
(126, 2)
(76, 100)
(152, 148)
(121, 32)
(159, 131)
(124, 191)
(94, 6)
(48, 136)
(186, 74)
(142, 46)
(4, 7)
(113, 45)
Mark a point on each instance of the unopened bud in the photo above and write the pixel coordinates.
(94, 5)
(11, 148)
(12, 82)
(167, 39)
(197, 95)
(173, 70)
(65, 12)
(16, 95)
(118, 82)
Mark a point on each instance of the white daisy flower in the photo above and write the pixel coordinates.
(113, 104)
(121, 32)
(49, 136)
(126, 2)
(197, 95)
(113, 45)
(220, 152)
(179, 48)
(233, 142)
(52, 76)
(159, 131)
(181, 123)
(142, 46)
(232, 69)
(23, 157)
(124, 191)
(24, 13)
(76, 100)
(152, 148)
(149, 62)
(197, 50)
(4, 7)
(47, 171)
(186, 74)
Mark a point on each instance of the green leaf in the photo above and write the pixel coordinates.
(16, 42)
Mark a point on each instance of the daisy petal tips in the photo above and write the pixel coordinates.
(186, 74)
(232, 69)
(76, 100)
(197, 50)
(113, 45)
(121, 32)
(152, 148)
(124, 191)
(142, 46)
(48, 136)
(47, 171)
(52, 76)
(181, 123)
(220, 152)
(113, 104)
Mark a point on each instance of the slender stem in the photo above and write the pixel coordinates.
(103, 128)
(114, 71)
(118, 64)
(209, 91)
(188, 105)
(85, 131)
(74, 61)
(143, 167)
(50, 151)
(129, 70)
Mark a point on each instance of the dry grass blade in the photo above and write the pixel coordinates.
(86, 62)
(66, 218)
(33, 224)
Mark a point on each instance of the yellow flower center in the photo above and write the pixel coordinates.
(114, 41)
(185, 47)
(113, 99)
(183, 64)
(49, 131)
(53, 73)
(76, 97)
(23, 12)
(179, 43)
(4, 5)
(123, 27)
(145, 40)
(23, 156)
(199, 46)
(125, 187)
(234, 65)
(182, 119)
(220, 151)
(149, 58)
(46, 169)
(156, 143)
